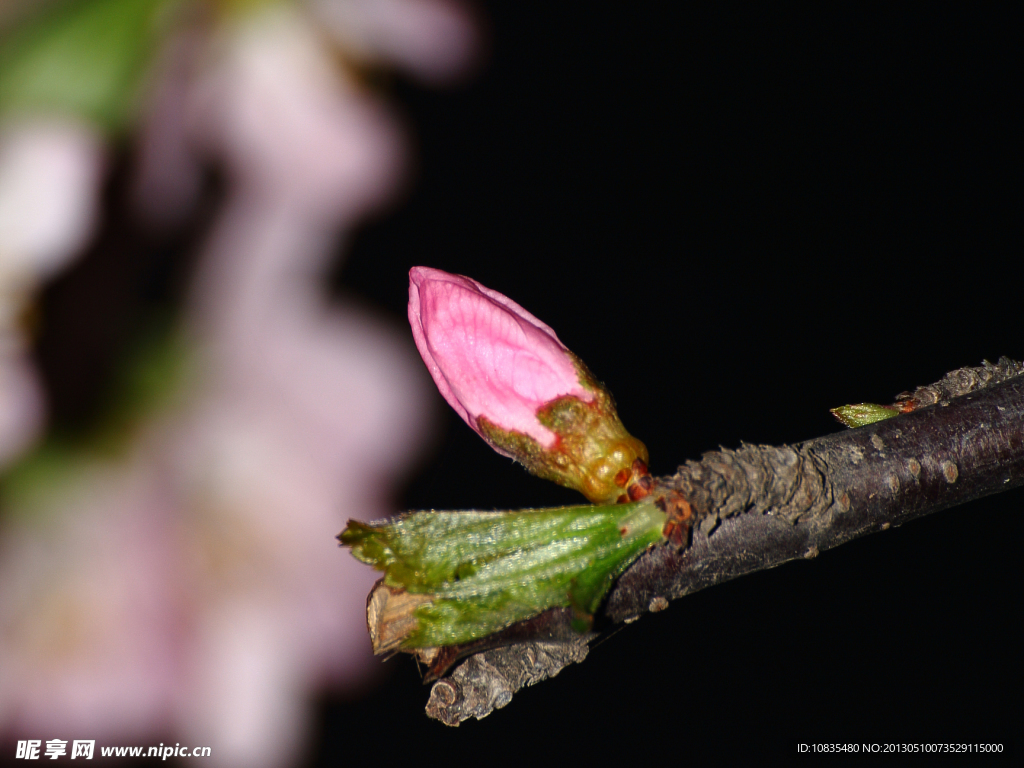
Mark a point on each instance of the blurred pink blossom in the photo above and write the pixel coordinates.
(432, 39)
(192, 589)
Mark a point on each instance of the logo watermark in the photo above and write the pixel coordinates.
(52, 749)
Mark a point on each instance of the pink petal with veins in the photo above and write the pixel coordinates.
(488, 356)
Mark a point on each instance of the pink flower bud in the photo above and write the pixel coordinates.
(489, 356)
(510, 378)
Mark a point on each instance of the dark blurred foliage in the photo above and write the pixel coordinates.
(126, 290)
(738, 219)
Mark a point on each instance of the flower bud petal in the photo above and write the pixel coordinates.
(489, 356)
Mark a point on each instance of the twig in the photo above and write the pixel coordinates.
(760, 506)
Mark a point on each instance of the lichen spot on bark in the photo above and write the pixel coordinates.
(658, 603)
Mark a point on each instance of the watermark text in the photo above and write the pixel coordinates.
(85, 749)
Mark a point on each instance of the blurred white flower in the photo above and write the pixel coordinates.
(50, 170)
(49, 173)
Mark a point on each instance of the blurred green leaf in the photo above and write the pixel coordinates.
(82, 57)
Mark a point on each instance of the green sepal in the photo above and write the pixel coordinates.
(593, 445)
(862, 414)
(488, 570)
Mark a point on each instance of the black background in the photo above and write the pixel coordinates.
(739, 219)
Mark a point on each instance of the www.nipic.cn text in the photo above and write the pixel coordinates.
(34, 749)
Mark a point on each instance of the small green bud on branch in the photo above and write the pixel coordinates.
(953, 384)
(862, 414)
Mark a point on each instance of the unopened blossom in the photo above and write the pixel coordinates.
(489, 356)
(510, 378)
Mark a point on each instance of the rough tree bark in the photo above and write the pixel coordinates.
(761, 506)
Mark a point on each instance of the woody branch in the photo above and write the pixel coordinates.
(761, 506)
